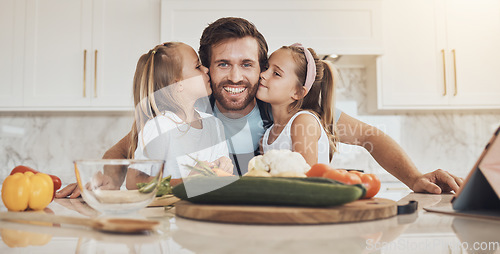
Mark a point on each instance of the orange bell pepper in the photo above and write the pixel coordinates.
(28, 190)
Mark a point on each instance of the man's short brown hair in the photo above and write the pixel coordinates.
(229, 28)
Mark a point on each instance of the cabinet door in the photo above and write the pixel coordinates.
(330, 27)
(411, 67)
(11, 52)
(122, 32)
(474, 34)
(57, 33)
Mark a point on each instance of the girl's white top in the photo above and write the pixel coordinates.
(284, 140)
(168, 138)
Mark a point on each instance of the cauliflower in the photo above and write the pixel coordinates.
(280, 163)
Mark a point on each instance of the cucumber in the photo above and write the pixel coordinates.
(316, 192)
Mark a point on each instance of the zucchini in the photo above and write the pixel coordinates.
(317, 192)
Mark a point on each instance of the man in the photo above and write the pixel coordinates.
(235, 53)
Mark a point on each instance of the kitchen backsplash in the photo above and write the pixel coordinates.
(50, 141)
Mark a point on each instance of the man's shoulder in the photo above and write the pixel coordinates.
(265, 113)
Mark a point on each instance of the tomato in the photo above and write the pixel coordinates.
(359, 173)
(318, 170)
(372, 184)
(342, 176)
(352, 178)
(370, 181)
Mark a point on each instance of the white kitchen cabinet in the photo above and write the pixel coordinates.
(473, 29)
(11, 52)
(350, 27)
(122, 32)
(440, 54)
(82, 54)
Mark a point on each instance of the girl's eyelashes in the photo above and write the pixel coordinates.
(277, 74)
(198, 66)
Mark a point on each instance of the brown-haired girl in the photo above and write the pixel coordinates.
(169, 79)
(301, 91)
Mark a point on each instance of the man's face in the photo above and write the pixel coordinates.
(234, 73)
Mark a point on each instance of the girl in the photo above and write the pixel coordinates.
(169, 79)
(300, 89)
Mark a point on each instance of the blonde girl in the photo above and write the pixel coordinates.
(169, 79)
(301, 91)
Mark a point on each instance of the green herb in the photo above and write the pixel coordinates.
(148, 187)
(163, 189)
(140, 185)
(201, 167)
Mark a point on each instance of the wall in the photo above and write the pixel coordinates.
(50, 141)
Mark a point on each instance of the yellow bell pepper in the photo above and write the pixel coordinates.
(20, 191)
(18, 238)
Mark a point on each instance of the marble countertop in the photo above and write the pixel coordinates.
(420, 232)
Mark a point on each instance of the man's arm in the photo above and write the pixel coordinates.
(392, 157)
(118, 151)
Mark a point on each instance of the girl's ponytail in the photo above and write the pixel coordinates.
(143, 80)
(327, 104)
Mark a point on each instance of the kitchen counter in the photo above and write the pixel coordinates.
(421, 232)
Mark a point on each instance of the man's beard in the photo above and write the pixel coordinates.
(230, 104)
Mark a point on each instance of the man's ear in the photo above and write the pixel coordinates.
(299, 94)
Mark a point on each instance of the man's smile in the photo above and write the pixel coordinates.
(234, 90)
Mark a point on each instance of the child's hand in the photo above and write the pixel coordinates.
(222, 166)
(198, 169)
(101, 181)
(223, 163)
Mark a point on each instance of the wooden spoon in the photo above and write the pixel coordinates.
(117, 225)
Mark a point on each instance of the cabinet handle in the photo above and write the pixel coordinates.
(84, 72)
(444, 71)
(455, 70)
(95, 73)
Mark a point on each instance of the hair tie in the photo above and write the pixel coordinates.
(153, 52)
(311, 67)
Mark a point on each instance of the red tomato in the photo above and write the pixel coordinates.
(372, 184)
(352, 178)
(370, 181)
(356, 172)
(318, 170)
(342, 176)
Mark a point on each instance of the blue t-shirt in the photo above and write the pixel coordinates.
(242, 135)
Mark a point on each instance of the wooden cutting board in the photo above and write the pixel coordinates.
(360, 210)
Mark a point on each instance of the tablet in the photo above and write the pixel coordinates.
(481, 190)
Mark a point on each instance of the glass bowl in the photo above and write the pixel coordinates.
(112, 186)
